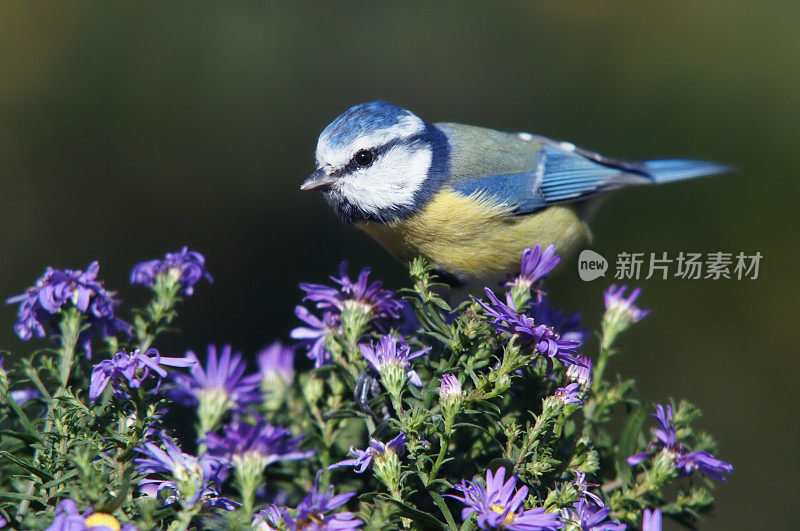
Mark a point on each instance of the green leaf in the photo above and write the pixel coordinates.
(23, 418)
(343, 413)
(22, 436)
(441, 304)
(437, 499)
(21, 496)
(426, 519)
(627, 443)
(368, 496)
(63, 479)
(38, 472)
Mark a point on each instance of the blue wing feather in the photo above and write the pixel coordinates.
(517, 190)
(563, 174)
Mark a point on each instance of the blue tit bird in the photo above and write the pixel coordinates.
(467, 199)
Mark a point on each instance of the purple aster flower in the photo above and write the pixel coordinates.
(363, 458)
(20, 396)
(568, 327)
(665, 435)
(685, 462)
(277, 362)
(185, 267)
(378, 302)
(704, 462)
(498, 506)
(218, 388)
(57, 289)
(314, 336)
(651, 521)
(538, 336)
(580, 371)
(262, 444)
(569, 394)
(276, 366)
(391, 357)
(620, 308)
(449, 387)
(450, 398)
(582, 486)
(189, 479)
(68, 518)
(311, 513)
(535, 265)
(132, 370)
(593, 517)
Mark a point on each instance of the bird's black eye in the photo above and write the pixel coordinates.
(364, 157)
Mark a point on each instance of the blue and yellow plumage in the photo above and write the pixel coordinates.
(467, 199)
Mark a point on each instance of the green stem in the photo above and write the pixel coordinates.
(444, 443)
(397, 403)
(70, 327)
(166, 292)
(606, 352)
(184, 519)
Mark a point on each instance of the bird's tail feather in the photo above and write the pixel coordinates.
(668, 170)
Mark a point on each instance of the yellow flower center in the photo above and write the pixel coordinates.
(102, 519)
(312, 520)
(499, 509)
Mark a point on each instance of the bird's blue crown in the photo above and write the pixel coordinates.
(360, 120)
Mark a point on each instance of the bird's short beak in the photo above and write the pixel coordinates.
(319, 180)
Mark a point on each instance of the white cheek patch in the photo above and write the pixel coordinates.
(336, 156)
(390, 182)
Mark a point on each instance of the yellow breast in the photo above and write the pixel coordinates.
(474, 235)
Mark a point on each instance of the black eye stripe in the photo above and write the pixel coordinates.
(377, 151)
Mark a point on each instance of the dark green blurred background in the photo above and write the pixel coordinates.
(129, 131)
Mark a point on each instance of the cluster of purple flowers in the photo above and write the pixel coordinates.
(185, 267)
(685, 462)
(248, 443)
(130, 370)
(58, 289)
(369, 301)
